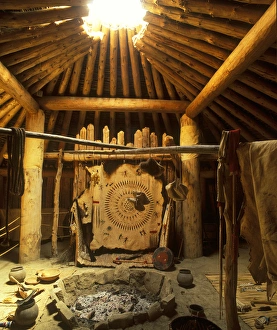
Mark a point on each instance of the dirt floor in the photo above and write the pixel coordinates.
(202, 293)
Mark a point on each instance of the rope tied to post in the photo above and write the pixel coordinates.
(15, 144)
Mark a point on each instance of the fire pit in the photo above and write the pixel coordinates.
(117, 298)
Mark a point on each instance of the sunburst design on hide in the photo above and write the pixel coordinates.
(121, 210)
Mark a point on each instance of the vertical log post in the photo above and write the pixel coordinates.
(192, 220)
(30, 229)
(56, 214)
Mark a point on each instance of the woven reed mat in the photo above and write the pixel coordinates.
(248, 291)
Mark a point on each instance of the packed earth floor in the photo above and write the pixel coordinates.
(201, 293)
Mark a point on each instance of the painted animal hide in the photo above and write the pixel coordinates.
(123, 209)
(258, 163)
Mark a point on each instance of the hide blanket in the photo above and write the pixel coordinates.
(122, 209)
(258, 165)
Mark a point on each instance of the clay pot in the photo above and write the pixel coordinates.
(196, 310)
(18, 273)
(185, 278)
(26, 313)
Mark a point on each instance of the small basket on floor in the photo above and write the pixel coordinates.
(192, 323)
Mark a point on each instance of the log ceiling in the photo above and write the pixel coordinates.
(213, 60)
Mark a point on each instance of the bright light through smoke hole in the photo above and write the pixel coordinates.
(116, 13)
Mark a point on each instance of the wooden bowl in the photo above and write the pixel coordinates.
(32, 280)
(48, 275)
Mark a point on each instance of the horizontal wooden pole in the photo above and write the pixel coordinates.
(192, 149)
(89, 157)
(52, 137)
(72, 103)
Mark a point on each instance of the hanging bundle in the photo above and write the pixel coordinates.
(176, 190)
(152, 167)
(15, 161)
(15, 178)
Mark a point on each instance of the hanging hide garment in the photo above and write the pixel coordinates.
(15, 179)
(176, 191)
(152, 167)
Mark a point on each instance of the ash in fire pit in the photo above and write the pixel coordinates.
(117, 298)
(109, 300)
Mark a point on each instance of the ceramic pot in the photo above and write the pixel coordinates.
(26, 313)
(185, 278)
(18, 273)
(196, 310)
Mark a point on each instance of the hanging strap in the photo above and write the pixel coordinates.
(15, 175)
(15, 158)
(220, 202)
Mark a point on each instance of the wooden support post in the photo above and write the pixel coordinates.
(56, 214)
(192, 221)
(30, 230)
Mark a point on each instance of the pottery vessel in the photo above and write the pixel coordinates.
(196, 310)
(185, 278)
(26, 314)
(18, 273)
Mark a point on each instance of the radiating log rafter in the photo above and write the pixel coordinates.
(32, 75)
(170, 48)
(218, 9)
(50, 33)
(259, 38)
(30, 4)
(183, 45)
(224, 26)
(247, 120)
(60, 67)
(39, 17)
(18, 92)
(102, 60)
(46, 52)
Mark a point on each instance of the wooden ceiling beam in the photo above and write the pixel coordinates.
(257, 40)
(29, 4)
(45, 16)
(219, 9)
(69, 103)
(14, 88)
